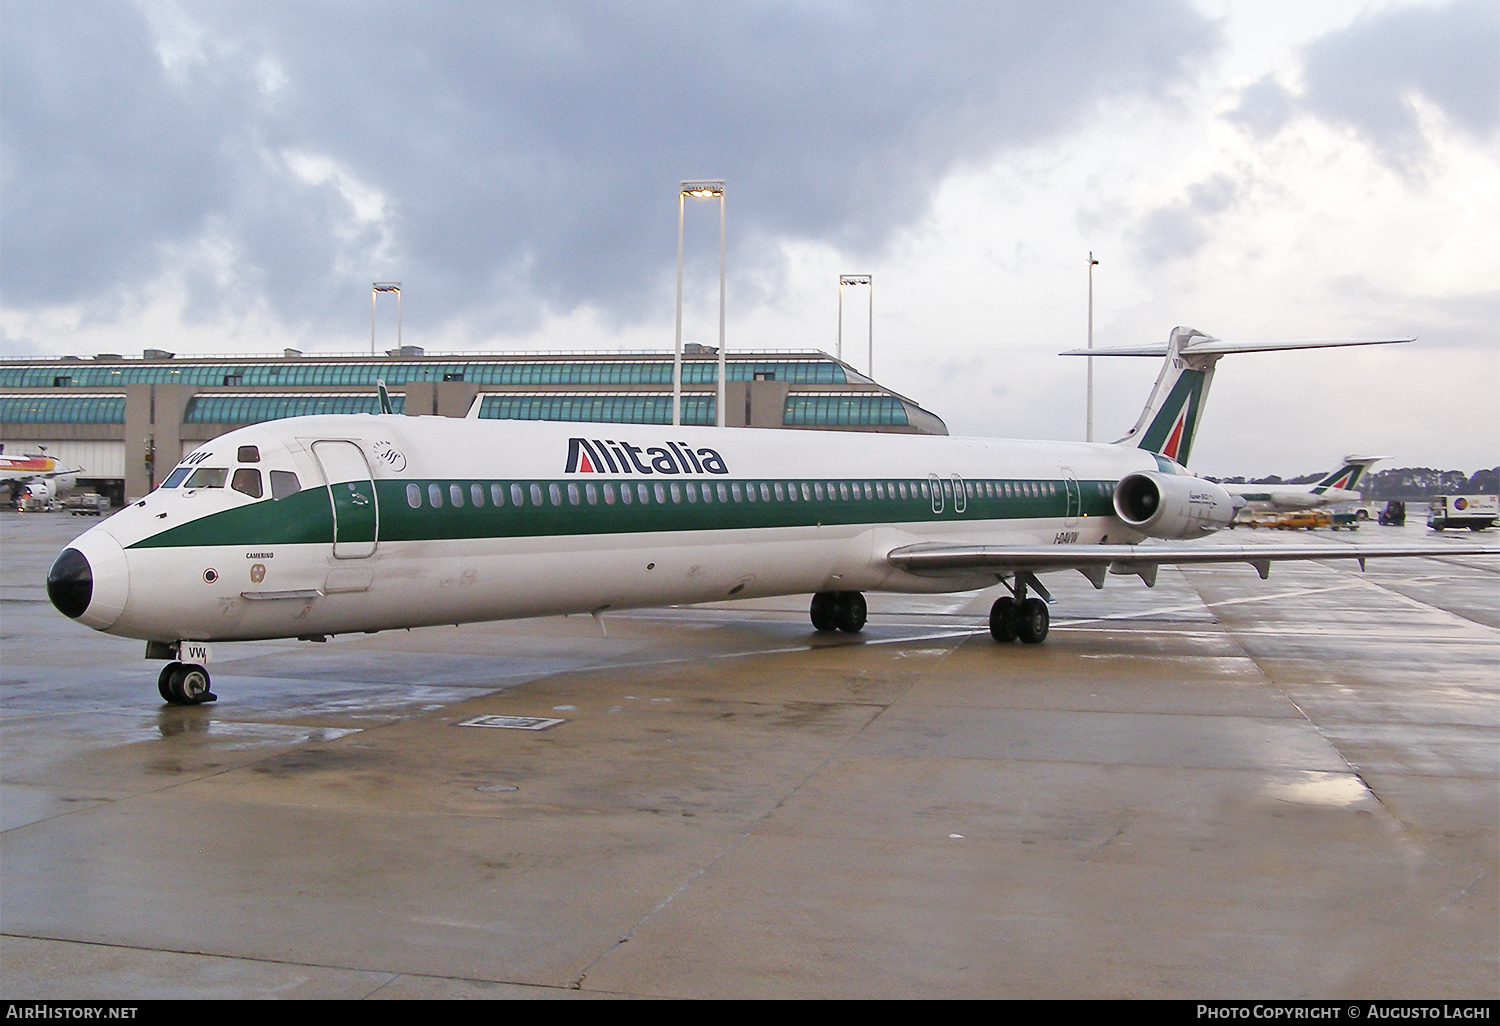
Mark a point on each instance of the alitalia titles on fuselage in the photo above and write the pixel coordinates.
(606, 455)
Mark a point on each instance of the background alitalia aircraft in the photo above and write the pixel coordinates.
(324, 525)
(1338, 486)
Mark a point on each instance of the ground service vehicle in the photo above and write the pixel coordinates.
(1476, 512)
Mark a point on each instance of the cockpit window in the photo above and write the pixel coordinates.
(249, 454)
(284, 483)
(208, 477)
(175, 478)
(247, 480)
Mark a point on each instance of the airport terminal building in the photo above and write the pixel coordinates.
(128, 421)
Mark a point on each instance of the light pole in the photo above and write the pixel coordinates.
(1089, 424)
(698, 190)
(385, 286)
(868, 281)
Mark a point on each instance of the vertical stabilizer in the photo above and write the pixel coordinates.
(1348, 476)
(1169, 423)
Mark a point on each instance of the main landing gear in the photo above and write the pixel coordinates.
(1015, 617)
(184, 684)
(838, 611)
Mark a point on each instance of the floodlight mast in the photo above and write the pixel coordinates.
(1089, 415)
(385, 286)
(868, 281)
(699, 189)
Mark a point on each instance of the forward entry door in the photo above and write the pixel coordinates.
(1075, 497)
(351, 490)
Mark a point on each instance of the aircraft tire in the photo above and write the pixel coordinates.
(825, 611)
(189, 684)
(1032, 621)
(852, 612)
(164, 682)
(1003, 619)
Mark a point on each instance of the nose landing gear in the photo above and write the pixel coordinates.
(185, 684)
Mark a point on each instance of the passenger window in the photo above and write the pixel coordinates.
(517, 496)
(248, 454)
(692, 493)
(476, 495)
(456, 495)
(676, 492)
(739, 493)
(536, 495)
(175, 478)
(435, 496)
(208, 477)
(497, 495)
(414, 496)
(555, 494)
(284, 483)
(572, 495)
(627, 494)
(609, 494)
(247, 480)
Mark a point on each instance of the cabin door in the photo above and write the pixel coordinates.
(1075, 497)
(351, 490)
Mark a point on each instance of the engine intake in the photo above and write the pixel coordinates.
(1173, 506)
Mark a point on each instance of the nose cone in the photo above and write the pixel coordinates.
(70, 583)
(90, 580)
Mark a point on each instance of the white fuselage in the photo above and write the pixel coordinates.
(1289, 497)
(711, 514)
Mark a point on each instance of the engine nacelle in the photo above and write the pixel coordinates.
(1173, 506)
(45, 488)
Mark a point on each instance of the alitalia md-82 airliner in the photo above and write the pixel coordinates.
(1334, 487)
(314, 526)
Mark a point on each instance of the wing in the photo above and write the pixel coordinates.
(1094, 561)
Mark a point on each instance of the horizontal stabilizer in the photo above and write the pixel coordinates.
(1203, 345)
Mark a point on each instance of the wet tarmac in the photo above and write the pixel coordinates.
(1221, 787)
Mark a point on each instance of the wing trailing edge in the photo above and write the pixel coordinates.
(939, 560)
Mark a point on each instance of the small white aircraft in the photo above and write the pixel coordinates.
(313, 526)
(1335, 487)
(38, 475)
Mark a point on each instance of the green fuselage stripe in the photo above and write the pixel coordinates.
(307, 518)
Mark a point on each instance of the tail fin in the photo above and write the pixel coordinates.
(1348, 476)
(1169, 423)
(385, 397)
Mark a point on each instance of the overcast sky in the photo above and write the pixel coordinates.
(230, 178)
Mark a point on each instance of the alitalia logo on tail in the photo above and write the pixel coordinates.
(1171, 431)
(608, 456)
(1344, 481)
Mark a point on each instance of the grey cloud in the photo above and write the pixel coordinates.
(1367, 75)
(1178, 231)
(1264, 108)
(529, 152)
